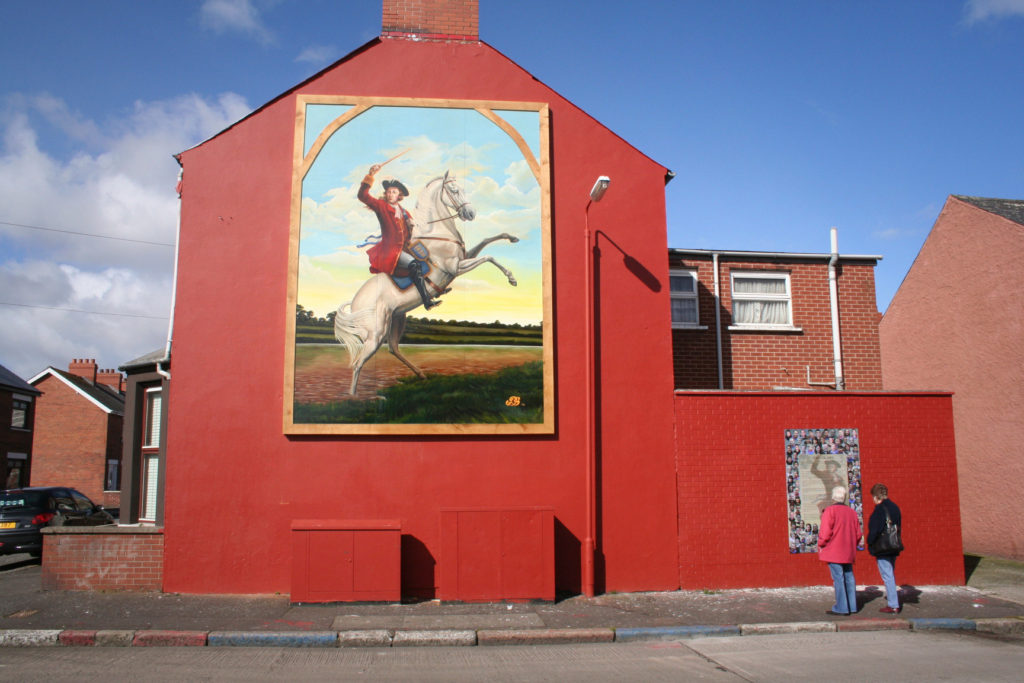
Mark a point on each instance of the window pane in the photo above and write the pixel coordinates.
(152, 475)
(761, 312)
(152, 436)
(19, 414)
(684, 310)
(681, 283)
(112, 481)
(752, 285)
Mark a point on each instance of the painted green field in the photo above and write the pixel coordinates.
(464, 385)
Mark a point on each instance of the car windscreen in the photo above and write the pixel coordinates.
(13, 500)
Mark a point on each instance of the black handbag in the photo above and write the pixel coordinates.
(888, 542)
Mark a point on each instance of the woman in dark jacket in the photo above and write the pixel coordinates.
(886, 562)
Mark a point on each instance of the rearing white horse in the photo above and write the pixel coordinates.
(377, 311)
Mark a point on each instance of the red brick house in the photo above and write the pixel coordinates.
(79, 419)
(746, 320)
(17, 417)
(954, 325)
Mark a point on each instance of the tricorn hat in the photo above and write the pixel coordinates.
(395, 183)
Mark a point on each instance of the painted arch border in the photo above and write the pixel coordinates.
(303, 161)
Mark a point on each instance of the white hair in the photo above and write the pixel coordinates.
(839, 494)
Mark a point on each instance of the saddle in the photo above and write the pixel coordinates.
(401, 277)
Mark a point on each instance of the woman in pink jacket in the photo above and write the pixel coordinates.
(838, 537)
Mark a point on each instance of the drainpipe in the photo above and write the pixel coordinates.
(174, 289)
(718, 322)
(833, 294)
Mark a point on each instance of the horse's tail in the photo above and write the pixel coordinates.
(349, 329)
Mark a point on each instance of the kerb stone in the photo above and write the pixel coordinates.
(17, 637)
(544, 636)
(440, 638)
(159, 638)
(366, 638)
(792, 627)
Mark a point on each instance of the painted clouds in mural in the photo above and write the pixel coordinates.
(420, 264)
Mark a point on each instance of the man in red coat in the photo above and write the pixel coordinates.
(838, 537)
(395, 228)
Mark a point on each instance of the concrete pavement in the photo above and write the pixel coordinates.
(993, 601)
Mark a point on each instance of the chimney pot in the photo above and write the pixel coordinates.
(84, 368)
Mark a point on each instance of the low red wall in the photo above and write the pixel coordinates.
(731, 464)
(103, 558)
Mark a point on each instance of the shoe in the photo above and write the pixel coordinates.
(890, 610)
(837, 614)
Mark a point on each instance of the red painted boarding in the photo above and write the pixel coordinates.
(733, 522)
(346, 560)
(235, 482)
(523, 568)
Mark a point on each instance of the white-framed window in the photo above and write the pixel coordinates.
(682, 289)
(761, 299)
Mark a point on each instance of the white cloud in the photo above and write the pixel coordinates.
(117, 181)
(318, 55)
(239, 16)
(981, 10)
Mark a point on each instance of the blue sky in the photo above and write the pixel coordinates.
(779, 119)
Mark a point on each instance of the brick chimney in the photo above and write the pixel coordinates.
(85, 368)
(112, 378)
(433, 20)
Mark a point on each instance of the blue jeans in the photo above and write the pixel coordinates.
(846, 587)
(886, 565)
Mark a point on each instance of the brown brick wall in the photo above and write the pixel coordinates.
(453, 19)
(103, 561)
(73, 439)
(763, 360)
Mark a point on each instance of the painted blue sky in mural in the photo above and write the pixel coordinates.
(780, 120)
(424, 143)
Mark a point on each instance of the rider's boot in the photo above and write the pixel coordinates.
(416, 273)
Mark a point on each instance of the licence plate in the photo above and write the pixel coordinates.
(8, 525)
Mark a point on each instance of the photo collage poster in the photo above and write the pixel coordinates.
(818, 461)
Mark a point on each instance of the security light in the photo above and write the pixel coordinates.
(600, 187)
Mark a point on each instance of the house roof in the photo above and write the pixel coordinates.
(8, 380)
(149, 360)
(786, 256)
(104, 397)
(1010, 209)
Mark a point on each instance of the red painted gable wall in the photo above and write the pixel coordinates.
(235, 482)
(955, 324)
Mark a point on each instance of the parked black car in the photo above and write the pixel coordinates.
(23, 512)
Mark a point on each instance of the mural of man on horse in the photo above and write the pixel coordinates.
(391, 252)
